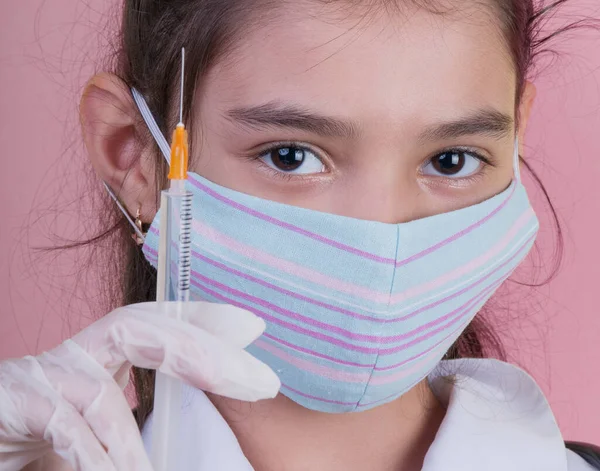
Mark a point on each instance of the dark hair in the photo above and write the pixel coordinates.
(147, 58)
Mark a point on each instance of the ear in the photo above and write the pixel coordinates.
(109, 119)
(527, 99)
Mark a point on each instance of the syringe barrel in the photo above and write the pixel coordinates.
(173, 284)
(178, 253)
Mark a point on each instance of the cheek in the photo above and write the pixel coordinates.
(212, 159)
(225, 170)
(449, 196)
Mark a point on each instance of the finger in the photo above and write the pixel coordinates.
(74, 441)
(232, 324)
(233, 372)
(46, 415)
(193, 355)
(97, 397)
(17, 447)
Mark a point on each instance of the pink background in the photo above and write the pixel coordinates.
(47, 51)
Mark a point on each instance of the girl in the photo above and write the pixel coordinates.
(357, 192)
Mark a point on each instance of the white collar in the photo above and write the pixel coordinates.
(497, 419)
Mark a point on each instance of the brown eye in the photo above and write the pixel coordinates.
(449, 163)
(293, 159)
(287, 158)
(453, 164)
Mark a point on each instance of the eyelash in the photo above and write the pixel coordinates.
(487, 162)
(285, 176)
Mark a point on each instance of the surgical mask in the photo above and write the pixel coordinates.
(358, 312)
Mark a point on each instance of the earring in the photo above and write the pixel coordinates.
(139, 235)
(139, 240)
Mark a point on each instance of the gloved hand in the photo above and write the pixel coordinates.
(70, 399)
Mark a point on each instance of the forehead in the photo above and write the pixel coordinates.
(405, 65)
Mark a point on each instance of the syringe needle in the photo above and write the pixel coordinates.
(182, 79)
(179, 147)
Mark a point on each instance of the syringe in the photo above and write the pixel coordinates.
(172, 285)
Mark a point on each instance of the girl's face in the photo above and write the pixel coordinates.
(392, 117)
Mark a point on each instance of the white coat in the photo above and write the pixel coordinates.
(497, 419)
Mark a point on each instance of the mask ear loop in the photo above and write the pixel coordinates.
(163, 145)
(158, 136)
(516, 161)
(137, 230)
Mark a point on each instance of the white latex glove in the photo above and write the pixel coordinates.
(70, 399)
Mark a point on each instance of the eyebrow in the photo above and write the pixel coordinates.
(277, 115)
(486, 121)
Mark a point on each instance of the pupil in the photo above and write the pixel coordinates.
(287, 158)
(449, 163)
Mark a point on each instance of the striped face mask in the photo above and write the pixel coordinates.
(358, 312)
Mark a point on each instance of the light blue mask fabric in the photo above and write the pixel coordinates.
(358, 312)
